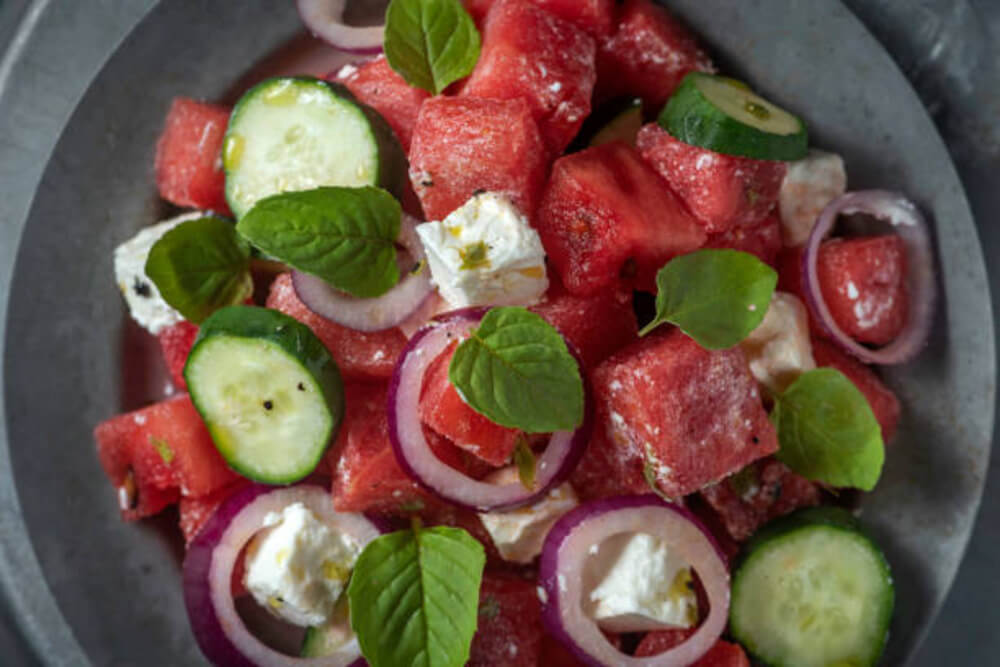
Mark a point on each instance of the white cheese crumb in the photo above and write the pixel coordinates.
(810, 184)
(779, 349)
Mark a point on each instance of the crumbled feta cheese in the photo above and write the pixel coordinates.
(485, 253)
(810, 184)
(519, 534)
(145, 304)
(779, 350)
(297, 566)
(641, 585)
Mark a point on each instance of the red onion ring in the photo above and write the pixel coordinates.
(380, 313)
(325, 19)
(909, 224)
(208, 570)
(561, 454)
(564, 556)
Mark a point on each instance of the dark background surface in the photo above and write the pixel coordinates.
(950, 50)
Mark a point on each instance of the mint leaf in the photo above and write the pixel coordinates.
(717, 297)
(516, 370)
(414, 596)
(827, 431)
(345, 236)
(430, 43)
(200, 266)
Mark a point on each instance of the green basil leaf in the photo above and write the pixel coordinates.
(430, 43)
(200, 266)
(516, 370)
(827, 431)
(345, 236)
(414, 596)
(717, 297)
(524, 459)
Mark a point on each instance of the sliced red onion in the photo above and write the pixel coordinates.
(561, 454)
(384, 312)
(208, 570)
(909, 224)
(564, 558)
(325, 19)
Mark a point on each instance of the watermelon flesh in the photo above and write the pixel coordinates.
(603, 472)
(189, 156)
(159, 453)
(688, 416)
(510, 623)
(463, 145)
(722, 653)
(531, 54)
(722, 191)
(763, 239)
(595, 17)
(176, 342)
(359, 355)
(647, 56)
(195, 511)
(607, 217)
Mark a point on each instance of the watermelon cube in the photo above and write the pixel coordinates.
(594, 17)
(688, 415)
(189, 156)
(176, 342)
(647, 56)
(442, 409)
(596, 325)
(462, 145)
(359, 355)
(510, 623)
(722, 653)
(864, 285)
(156, 454)
(606, 216)
(722, 191)
(195, 511)
(603, 472)
(376, 84)
(762, 239)
(762, 491)
(531, 54)
(882, 400)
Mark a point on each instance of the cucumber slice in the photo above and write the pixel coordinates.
(813, 591)
(300, 133)
(327, 639)
(268, 390)
(725, 116)
(619, 112)
(624, 126)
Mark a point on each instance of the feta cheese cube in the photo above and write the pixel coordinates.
(641, 585)
(519, 534)
(485, 253)
(297, 566)
(810, 184)
(145, 304)
(779, 349)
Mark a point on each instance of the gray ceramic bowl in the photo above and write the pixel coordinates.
(115, 588)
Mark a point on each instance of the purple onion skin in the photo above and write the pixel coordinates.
(360, 50)
(548, 564)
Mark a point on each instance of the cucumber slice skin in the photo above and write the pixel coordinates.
(391, 163)
(690, 117)
(623, 127)
(605, 115)
(836, 524)
(298, 342)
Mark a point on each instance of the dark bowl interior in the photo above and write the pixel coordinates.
(72, 359)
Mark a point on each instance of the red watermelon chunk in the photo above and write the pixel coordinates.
(510, 623)
(359, 355)
(595, 17)
(195, 511)
(606, 215)
(647, 56)
(691, 416)
(442, 409)
(462, 145)
(376, 84)
(762, 239)
(762, 491)
(863, 284)
(166, 451)
(596, 325)
(603, 472)
(722, 191)
(176, 342)
(722, 653)
(883, 402)
(531, 54)
(189, 156)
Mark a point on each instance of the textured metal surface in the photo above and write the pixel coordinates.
(61, 350)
